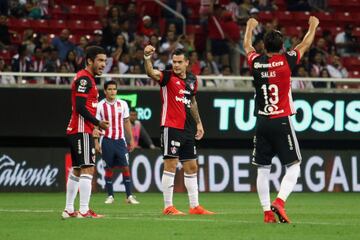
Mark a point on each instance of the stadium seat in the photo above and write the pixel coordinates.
(354, 74)
(76, 26)
(356, 32)
(345, 17)
(326, 19)
(57, 25)
(75, 9)
(284, 17)
(148, 7)
(266, 16)
(6, 55)
(93, 25)
(352, 63)
(18, 25)
(40, 25)
(58, 12)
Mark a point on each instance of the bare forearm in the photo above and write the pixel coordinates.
(128, 130)
(195, 111)
(309, 36)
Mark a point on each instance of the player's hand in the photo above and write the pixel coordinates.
(104, 124)
(97, 133)
(252, 22)
(149, 50)
(199, 131)
(131, 146)
(98, 148)
(313, 21)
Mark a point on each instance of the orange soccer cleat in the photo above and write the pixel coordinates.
(90, 214)
(278, 207)
(171, 210)
(269, 217)
(200, 210)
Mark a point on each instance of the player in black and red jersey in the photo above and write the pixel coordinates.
(84, 99)
(275, 134)
(178, 134)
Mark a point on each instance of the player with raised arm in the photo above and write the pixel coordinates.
(84, 99)
(275, 134)
(178, 133)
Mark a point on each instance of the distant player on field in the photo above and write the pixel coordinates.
(275, 134)
(84, 99)
(179, 106)
(112, 144)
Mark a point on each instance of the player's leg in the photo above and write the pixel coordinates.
(170, 143)
(188, 158)
(122, 161)
(288, 150)
(108, 155)
(86, 176)
(262, 156)
(72, 185)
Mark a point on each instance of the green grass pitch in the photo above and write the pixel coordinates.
(239, 216)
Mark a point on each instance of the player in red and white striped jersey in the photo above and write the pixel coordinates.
(112, 143)
(84, 99)
(273, 107)
(179, 110)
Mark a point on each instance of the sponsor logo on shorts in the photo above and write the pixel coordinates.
(291, 147)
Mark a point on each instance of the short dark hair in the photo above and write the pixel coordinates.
(273, 41)
(92, 52)
(180, 51)
(107, 83)
(132, 109)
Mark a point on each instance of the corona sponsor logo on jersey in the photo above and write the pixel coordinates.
(19, 174)
(268, 65)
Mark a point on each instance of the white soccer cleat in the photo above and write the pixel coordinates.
(109, 200)
(132, 200)
(65, 214)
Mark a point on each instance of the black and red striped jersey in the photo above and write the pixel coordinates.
(273, 97)
(176, 94)
(83, 85)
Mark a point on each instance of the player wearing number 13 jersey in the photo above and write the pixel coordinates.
(275, 134)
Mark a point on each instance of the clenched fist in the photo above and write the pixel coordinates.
(149, 50)
(252, 22)
(313, 21)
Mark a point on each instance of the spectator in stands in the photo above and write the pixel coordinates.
(5, 68)
(52, 65)
(244, 10)
(132, 16)
(317, 62)
(118, 49)
(336, 69)
(44, 41)
(286, 38)
(324, 73)
(205, 71)
(71, 63)
(110, 33)
(138, 69)
(163, 61)
(28, 40)
(115, 70)
(146, 27)
(267, 5)
(17, 8)
(125, 31)
(115, 14)
(210, 64)
(141, 136)
(216, 34)
(62, 43)
(346, 42)
(4, 33)
(37, 60)
(194, 64)
(259, 31)
(32, 11)
(138, 60)
(180, 7)
(330, 44)
(97, 38)
(63, 80)
(21, 62)
(80, 48)
(320, 47)
(232, 32)
(300, 84)
(226, 83)
(171, 43)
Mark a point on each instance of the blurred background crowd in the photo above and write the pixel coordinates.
(51, 36)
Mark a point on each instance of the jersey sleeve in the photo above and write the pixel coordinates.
(125, 109)
(98, 112)
(82, 87)
(164, 78)
(293, 58)
(251, 57)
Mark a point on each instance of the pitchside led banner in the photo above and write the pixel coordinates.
(226, 115)
(43, 170)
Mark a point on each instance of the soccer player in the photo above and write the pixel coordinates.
(178, 134)
(275, 134)
(112, 144)
(84, 99)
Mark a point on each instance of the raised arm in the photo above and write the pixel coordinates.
(309, 36)
(150, 71)
(250, 26)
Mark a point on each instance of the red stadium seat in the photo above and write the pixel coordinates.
(6, 55)
(148, 7)
(345, 17)
(284, 17)
(76, 26)
(57, 12)
(18, 24)
(326, 19)
(294, 31)
(266, 16)
(75, 9)
(354, 74)
(352, 63)
(57, 25)
(356, 32)
(40, 25)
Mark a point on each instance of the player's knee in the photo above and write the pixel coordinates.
(170, 165)
(190, 167)
(76, 172)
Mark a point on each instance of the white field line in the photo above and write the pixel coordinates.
(156, 216)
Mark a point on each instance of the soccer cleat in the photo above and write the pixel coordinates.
(132, 200)
(65, 214)
(89, 214)
(277, 207)
(269, 217)
(200, 210)
(109, 200)
(171, 210)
